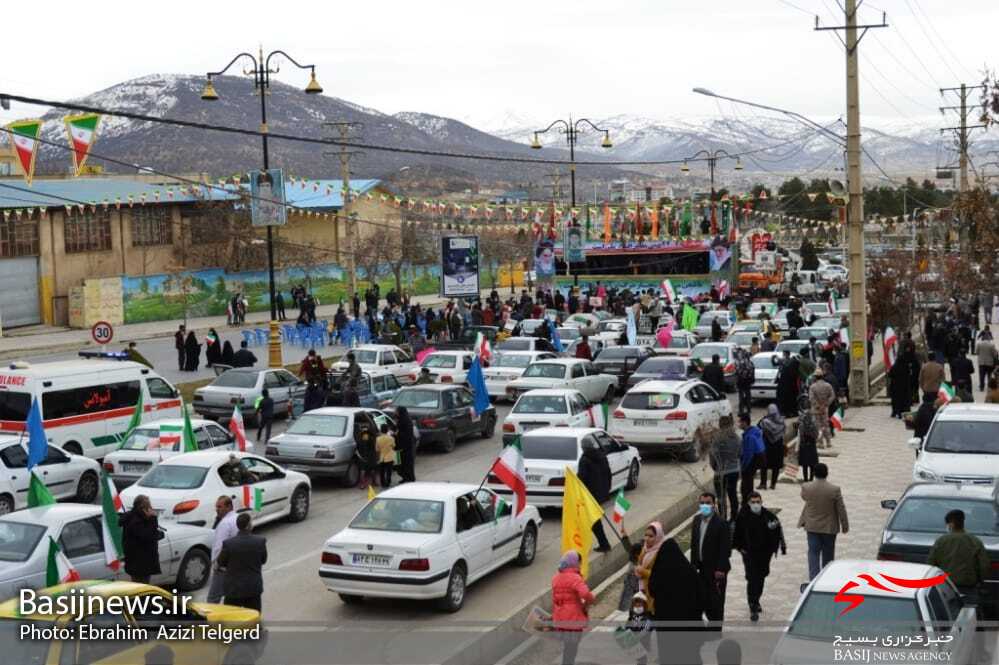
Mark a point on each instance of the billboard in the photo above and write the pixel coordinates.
(459, 266)
(267, 201)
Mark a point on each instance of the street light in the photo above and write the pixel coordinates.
(262, 82)
(712, 157)
(571, 131)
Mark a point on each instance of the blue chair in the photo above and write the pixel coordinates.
(249, 337)
(261, 336)
(288, 334)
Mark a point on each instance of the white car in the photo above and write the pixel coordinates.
(743, 338)
(596, 346)
(725, 351)
(526, 327)
(818, 308)
(609, 331)
(184, 488)
(765, 381)
(67, 476)
(961, 446)
(568, 335)
(831, 272)
(826, 626)
(447, 366)
(524, 344)
(581, 375)
(185, 551)
(383, 356)
(681, 345)
(142, 450)
(549, 450)
(665, 415)
(427, 541)
(552, 407)
(507, 366)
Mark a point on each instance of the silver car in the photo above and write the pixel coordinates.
(185, 551)
(322, 442)
(243, 386)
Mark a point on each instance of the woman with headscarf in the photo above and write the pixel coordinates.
(213, 348)
(788, 385)
(406, 445)
(227, 353)
(808, 437)
(900, 387)
(571, 599)
(674, 585)
(774, 428)
(651, 542)
(192, 353)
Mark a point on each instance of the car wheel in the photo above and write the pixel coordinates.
(455, 597)
(6, 504)
(633, 471)
(610, 394)
(691, 454)
(350, 599)
(194, 570)
(73, 448)
(447, 445)
(528, 546)
(489, 428)
(87, 488)
(299, 504)
(352, 476)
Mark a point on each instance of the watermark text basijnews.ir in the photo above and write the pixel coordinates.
(892, 649)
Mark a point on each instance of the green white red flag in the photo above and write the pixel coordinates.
(38, 493)
(190, 443)
(621, 506)
(946, 392)
(253, 498)
(603, 420)
(59, 570)
(24, 136)
(170, 435)
(837, 419)
(509, 468)
(237, 428)
(82, 130)
(110, 507)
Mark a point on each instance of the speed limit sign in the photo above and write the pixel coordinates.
(102, 332)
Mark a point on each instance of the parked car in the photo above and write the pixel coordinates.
(185, 551)
(466, 340)
(67, 476)
(765, 381)
(596, 346)
(662, 367)
(609, 331)
(820, 627)
(375, 388)
(524, 344)
(427, 541)
(724, 317)
(581, 375)
(744, 338)
(322, 442)
(507, 366)
(831, 272)
(448, 366)
(664, 415)
(682, 344)
(383, 356)
(793, 345)
(703, 353)
(242, 386)
(443, 413)
(549, 450)
(539, 408)
(143, 450)
(622, 361)
(917, 520)
(527, 327)
(961, 446)
(184, 488)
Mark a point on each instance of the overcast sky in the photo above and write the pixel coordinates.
(480, 61)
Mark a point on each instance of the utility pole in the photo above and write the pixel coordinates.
(962, 131)
(344, 130)
(860, 385)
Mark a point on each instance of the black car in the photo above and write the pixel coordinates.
(444, 413)
(917, 520)
(659, 367)
(622, 361)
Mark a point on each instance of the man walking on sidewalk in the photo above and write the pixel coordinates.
(823, 516)
(711, 545)
(178, 343)
(758, 537)
(986, 358)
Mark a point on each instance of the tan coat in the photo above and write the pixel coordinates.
(931, 375)
(824, 510)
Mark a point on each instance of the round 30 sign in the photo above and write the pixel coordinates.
(102, 332)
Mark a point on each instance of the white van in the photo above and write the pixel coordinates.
(87, 403)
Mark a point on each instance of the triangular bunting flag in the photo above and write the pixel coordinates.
(24, 136)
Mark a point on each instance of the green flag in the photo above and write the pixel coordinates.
(38, 493)
(689, 320)
(189, 443)
(135, 421)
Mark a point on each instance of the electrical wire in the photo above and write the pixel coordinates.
(932, 41)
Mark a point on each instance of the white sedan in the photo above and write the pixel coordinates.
(143, 449)
(557, 407)
(427, 541)
(447, 366)
(581, 375)
(185, 551)
(383, 356)
(666, 414)
(184, 488)
(66, 475)
(548, 451)
(509, 365)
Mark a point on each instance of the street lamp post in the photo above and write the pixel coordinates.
(262, 82)
(712, 157)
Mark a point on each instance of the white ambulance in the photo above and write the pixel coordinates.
(87, 403)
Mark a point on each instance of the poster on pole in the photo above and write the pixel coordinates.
(459, 266)
(267, 199)
(573, 244)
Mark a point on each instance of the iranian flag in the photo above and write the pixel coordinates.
(946, 392)
(890, 347)
(135, 421)
(832, 302)
(621, 506)
(253, 498)
(509, 468)
(190, 444)
(38, 493)
(82, 130)
(170, 435)
(668, 291)
(24, 135)
(59, 570)
(836, 420)
(237, 428)
(483, 350)
(111, 529)
(604, 419)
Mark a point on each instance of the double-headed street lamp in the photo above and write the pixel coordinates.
(262, 82)
(571, 131)
(712, 157)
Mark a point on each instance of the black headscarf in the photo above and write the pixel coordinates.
(674, 586)
(227, 353)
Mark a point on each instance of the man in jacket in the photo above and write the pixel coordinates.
(242, 558)
(313, 368)
(753, 454)
(140, 537)
(726, 450)
(583, 349)
(961, 555)
(714, 375)
(244, 357)
(265, 415)
(758, 536)
(710, 546)
(595, 474)
(931, 375)
(225, 528)
(823, 516)
(820, 395)
(178, 344)
(745, 375)
(986, 358)
(925, 414)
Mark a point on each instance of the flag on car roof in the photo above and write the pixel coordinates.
(38, 493)
(135, 421)
(621, 506)
(946, 392)
(110, 527)
(836, 420)
(38, 445)
(237, 428)
(509, 468)
(190, 444)
(477, 382)
(59, 570)
(668, 291)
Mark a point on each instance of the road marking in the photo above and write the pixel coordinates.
(292, 562)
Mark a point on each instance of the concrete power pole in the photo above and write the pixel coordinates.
(860, 385)
(962, 131)
(344, 130)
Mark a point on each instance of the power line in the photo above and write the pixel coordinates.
(931, 40)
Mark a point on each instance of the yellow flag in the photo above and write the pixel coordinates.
(371, 492)
(579, 512)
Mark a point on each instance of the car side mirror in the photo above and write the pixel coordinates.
(915, 442)
(176, 393)
(889, 504)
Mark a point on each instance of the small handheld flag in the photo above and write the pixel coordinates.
(253, 498)
(621, 507)
(477, 382)
(110, 527)
(836, 420)
(170, 436)
(509, 468)
(190, 444)
(946, 392)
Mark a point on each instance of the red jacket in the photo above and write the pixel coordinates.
(569, 590)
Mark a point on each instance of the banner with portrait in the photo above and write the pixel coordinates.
(459, 266)
(544, 259)
(267, 199)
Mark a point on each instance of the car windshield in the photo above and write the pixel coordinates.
(528, 326)
(742, 338)
(549, 447)
(667, 366)
(610, 326)
(545, 370)
(820, 617)
(820, 334)
(366, 357)
(18, 540)
(569, 333)
(540, 404)
(232, 379)
(514, 344)
(440, 360)
(26, 651)
(749, 325)
(926, 515)
(705, 351)
(314, 424)
(420, 399)
(617, 353)
(708, 317)
(174, 477)
(764, 362)
(653, 401)
(679, 342)
(817, 307)
(409, 515)
(510, 360)
(969, 437)
(142, 439)
(794, 347)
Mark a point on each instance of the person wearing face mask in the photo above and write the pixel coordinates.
(640, 622)
(709, 553)
(758, 536)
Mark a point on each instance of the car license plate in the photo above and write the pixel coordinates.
(527, 427)
(645, 423)
(533, 478)
(134, 468)
(377, 560)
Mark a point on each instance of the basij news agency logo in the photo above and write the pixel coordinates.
(853, 600)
